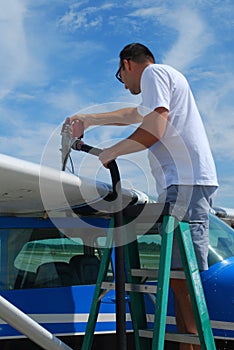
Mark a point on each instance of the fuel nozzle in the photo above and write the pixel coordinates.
(71, 133)
(66, 134)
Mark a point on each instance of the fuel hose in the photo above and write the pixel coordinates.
(119, 245)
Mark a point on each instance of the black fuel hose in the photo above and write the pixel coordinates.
(119, 245)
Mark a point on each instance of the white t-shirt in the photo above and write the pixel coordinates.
(183, 155)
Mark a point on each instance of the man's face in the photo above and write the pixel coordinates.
(126, 74)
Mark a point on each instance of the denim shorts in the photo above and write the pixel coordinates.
(191, 204)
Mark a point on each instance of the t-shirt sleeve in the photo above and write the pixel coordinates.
(155, 90)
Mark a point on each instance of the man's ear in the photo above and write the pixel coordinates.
(127, 65)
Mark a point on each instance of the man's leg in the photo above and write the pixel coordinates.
(184, 313)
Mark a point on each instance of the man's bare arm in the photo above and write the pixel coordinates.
(124, 116)
(149, 132)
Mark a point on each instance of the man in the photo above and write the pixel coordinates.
(179, 153)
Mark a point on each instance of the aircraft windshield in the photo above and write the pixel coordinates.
(221, 241)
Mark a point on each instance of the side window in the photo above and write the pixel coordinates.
(14, 240)
(45, 263)
(149, 246)
(37, 258)
(46, 258)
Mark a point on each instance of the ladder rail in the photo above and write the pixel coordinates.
(99, 290)
(195, 286)
(138, 314)
(163, 283)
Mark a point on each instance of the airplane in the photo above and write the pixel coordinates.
(226, 214)
(53, 229)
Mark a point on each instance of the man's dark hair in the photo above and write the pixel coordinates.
(136, 52)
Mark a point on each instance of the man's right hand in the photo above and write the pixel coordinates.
(84, 118)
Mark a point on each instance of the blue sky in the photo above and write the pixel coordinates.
(60, 57)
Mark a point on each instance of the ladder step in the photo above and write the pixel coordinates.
(183, 338)
(180, 338)
(129, 287)
(153, 273)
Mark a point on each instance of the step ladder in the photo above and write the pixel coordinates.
(145, 338)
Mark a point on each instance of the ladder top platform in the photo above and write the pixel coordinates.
(150, 209)
(154, 212)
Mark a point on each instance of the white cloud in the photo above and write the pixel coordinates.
(14, 55)
(86, 18)
(17, 63)
(225, 192)
(216, 106)
(66, 101)
(194, 37)
(149, 12)
(26, 142)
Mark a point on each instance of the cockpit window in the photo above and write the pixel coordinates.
(221, 241)
(45, 258)
(43, 251)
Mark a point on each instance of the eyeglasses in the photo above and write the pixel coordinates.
(117, 75)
